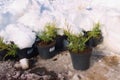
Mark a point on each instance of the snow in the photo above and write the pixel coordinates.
(111, 3)
(22, 36)
(16, 8)
(21, 20)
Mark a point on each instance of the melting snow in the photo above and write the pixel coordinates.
(20, 20)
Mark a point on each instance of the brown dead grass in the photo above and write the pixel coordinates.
(111, 60)
(96, 76)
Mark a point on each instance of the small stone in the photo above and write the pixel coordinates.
(17, 74)
(79, 76)
(75, 77)
(99, 61)
(32, 76)
(8, 74)
(55, 59)
(60, 76)
(17, 65)
(24, 63)
(23, 77)
(70, 73)
(46, 77)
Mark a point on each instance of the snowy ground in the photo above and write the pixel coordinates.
(21, 20)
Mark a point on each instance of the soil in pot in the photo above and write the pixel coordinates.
(46, 51)
(81, 61)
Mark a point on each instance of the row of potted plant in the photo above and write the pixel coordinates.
(49, 42)
(80, 45)
(41, 45)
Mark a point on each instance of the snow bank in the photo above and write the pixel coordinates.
(107, 4)
(22, 36)
(108, 14)
(18, 7)
(25, 18)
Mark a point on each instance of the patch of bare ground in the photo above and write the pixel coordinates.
(103, 67)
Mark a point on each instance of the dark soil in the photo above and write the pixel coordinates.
(8, 72)
(44, 44)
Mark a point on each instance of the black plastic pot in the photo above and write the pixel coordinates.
(22, 53)
(2, 54)
(32, 52)
(93, 42)
(60, 43)
(81, 61)
(27, 53)
(47, 52)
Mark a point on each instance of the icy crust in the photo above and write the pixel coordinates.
(25, 18)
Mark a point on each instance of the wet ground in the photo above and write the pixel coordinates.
(104, 66)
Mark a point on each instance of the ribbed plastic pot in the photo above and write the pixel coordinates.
(22, 53)
(47, 52)
(81, 61)
(33, 52)
(93, 42)
(27, 53)
(59, 43)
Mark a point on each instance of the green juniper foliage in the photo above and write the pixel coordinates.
(3, 46)
(96, 32)
(10, 48)
(49, 33)
(77, 43)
